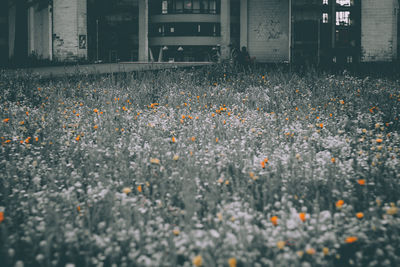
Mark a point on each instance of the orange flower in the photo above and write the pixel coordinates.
(78, 138)
(321, 125)
(193, 139)
(21, 122)
(232, 261)
(197, 261)
(341, 102)
(281, 244)
(27, 113)
(351, 239)
(379, 140)
(176, 232)
(274, 220)
(262, 164)
(6, 120)
(339, 203)
(216, 139)
(302, 216)
(1, 216)
(78, 208)
(95, 110)
(333, 160)
(36, 139)
(360, 215)
(310, 251)
(127, 190)
(173, 139)
(139, 188)
(95, 127)
(361, 181)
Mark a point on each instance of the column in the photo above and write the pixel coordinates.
(225, 28)
(243, 23)
(31, 30)
(143, 30)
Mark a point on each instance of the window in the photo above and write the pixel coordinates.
(188, 6)
(164, 8)
(213, 6)
(343, 2)
(325, 18)
(343, 18)
(325, 2)
(349, 59)
(172, 29)
(198, 28)
(204, 6)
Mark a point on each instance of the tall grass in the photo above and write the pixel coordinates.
(209, 167)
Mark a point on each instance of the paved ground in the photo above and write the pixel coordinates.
(59, 71)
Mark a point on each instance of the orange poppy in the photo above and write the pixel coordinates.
(6, 120)
(274, 220)
(139, 188)
(351, 239)
(302, 216)
(360, 215)
(339, 203)
(1, 216)
(361, 181)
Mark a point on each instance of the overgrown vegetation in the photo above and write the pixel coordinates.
(207, 167)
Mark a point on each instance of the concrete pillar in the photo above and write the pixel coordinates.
(50, 30)
(143, 30)
(243, 23)
(31, 30)
(11, 30)
(225, 28)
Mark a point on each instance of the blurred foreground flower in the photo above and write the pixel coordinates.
(1, 216)
(197, 261)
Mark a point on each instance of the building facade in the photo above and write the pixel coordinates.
(315, 31)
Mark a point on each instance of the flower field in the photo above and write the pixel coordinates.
(206, 167)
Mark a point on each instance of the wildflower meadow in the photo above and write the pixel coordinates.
(199, 167)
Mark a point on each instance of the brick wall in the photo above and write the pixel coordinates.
(268, 30)
(379, 30)
(69, 22)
